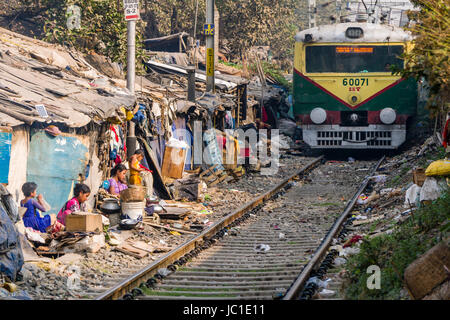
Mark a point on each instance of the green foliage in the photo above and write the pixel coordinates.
(393, 253)
(103, 28)
(429, 58)
(248, 23)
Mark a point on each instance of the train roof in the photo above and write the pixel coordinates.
(371, 33)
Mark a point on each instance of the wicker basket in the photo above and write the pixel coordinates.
(419, 176)
(133, 194)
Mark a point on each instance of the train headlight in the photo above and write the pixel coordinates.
(318, 115)
(388, 116)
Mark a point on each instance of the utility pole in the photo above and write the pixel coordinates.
(131, 15)
(131, 76)
(209, 29)
(312, 13)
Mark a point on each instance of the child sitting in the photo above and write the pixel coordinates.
(32, 217)
(76, 204)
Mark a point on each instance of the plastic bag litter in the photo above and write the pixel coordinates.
(262, 248)
(379, 179)
(34, 235)
(438, 168)
(339, 261)
(349, 251)
(430, 190)
(325, 293)
(362, 199)
(322, 284)
(11, 207)
(281, 236)
(164, 272)
(412, 195)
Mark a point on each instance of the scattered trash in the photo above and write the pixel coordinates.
(164, 272)
(320, 284)
(281, 236)
(175, 233)
(276, 227)
(430, 190)
(207, 197)
(379, 179)
(438, 168)
(362, 199)
(412, 195)
(407, 212)
(114, 242)
(178, 225)
(325, 293)
(349, 251)
(351, 160)
(34, 236)
(261, 248)
(11, 287)
(352, 241)
(339, 261)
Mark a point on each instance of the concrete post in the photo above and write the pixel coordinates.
(131, 76)
(191, 83)
(210, 48)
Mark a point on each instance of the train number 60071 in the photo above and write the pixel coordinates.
(355, 82)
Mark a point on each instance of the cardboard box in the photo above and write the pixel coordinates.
(84, 223)
(173, 162)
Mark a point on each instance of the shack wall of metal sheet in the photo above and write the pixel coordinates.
(55, 165)
(5, 153)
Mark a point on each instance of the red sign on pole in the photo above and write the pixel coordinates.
(131, 8)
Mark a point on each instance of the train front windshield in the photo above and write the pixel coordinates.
(352, 59)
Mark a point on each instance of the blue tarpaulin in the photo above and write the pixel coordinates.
(54, 164)
(5, 155)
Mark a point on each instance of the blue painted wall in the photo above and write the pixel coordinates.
(5, 155)
(54, 163)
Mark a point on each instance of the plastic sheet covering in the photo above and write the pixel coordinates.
(54, 164)
(9, 204)
(11, 256)
(5, 155)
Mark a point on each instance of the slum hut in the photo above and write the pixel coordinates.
(55, 109)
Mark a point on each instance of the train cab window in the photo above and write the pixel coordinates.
(353, 59)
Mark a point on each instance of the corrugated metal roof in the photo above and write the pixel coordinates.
(34, 72)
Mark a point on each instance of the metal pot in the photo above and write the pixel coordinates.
(110, 206)
(128, 224)
(152, 200)
(157, 208)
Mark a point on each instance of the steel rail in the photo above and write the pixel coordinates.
(295, 290)
(143, 275)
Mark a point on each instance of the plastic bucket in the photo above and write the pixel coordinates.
(133, 210)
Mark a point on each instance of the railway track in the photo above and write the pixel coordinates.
(266, 249)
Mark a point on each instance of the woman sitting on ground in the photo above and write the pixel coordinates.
(32, 218)
(118, 181)
(76, 204)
